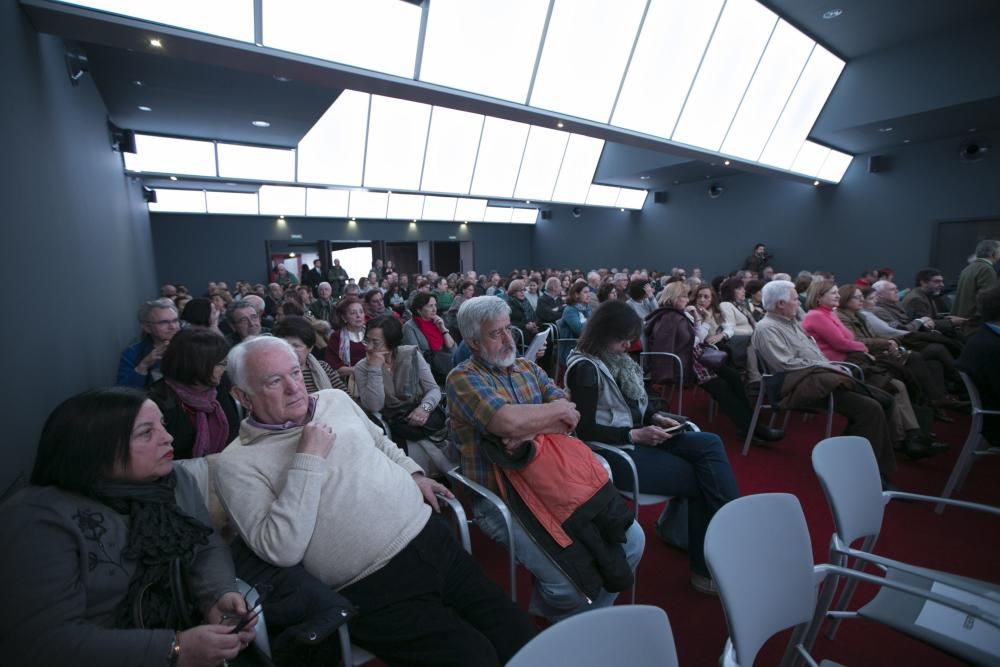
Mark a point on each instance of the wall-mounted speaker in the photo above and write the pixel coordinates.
(660, 197)
(877, 164)
(546, 214)
(576, 211)
(149, 195)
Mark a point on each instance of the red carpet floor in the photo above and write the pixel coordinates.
(961, 541)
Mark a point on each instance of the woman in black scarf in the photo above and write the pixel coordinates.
(108, 557)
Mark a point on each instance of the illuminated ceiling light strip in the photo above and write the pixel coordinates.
(540, 163)
(178, 201)
(697, 72)
(835, 166)
(232, 19)
(628, 63)
(396, 142)
(538, 54)
(333, 150)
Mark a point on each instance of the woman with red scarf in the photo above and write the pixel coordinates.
(193, 394)
(426, 329)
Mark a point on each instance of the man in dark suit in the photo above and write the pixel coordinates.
(920, 302)
(981, 360)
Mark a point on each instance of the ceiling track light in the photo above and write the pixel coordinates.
(156, 43)
(832, 13)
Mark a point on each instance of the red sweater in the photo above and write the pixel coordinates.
(835, 341)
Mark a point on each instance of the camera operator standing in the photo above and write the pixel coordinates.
(758, 260)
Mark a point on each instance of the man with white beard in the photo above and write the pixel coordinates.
(496, 393)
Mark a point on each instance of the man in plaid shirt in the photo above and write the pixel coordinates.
(512, 398)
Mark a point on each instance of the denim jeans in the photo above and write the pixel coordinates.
(554, 597)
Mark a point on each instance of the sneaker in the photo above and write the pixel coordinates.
(703, 584)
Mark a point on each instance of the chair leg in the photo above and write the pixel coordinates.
(827, 590)
(829, 418)
(849, 588)
(964, 462)
(753, 421)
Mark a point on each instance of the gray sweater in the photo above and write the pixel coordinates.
(64, 577)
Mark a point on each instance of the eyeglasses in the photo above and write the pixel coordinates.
(373, 343)
(163, 323)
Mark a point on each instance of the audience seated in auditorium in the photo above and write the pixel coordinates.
(201, 313)
(344, 348)
(575, 313)
(312, 480)
(981, 360)
(139, 365)
(550, 301)
(244, 322)
(920, 302)
(497, 395)
(522, 313)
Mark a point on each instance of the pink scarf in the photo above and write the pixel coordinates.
(210, 421)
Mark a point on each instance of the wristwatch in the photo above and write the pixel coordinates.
(175, 652)
(426, 407)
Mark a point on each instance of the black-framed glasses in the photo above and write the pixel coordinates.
(257, 593)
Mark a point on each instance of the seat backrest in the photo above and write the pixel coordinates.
(760, 556)
(970, 387)
(633, 635)
(849, 475)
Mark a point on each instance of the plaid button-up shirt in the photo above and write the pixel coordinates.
(477, 391)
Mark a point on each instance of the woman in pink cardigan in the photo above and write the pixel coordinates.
(821, 322)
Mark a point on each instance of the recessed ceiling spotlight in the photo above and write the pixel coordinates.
(156, 43)
(972, 129)
(291, 254)
(727, 163)
(622, 210)
(282, 79)
(465, 222)
(832, 13)
(260, 123)
(281, 217)
(559, 124)
(173, 178)
(906, 141)
(138, 83)
(644, 178)
(144, 108)
(884, 130)
(816, 183)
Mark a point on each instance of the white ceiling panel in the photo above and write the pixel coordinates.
(379, 35)
(500, 151)
(543, 154)
(524, 216)
(736, 47)
(232, 202)
(779, 69)
(405, 207)
(629, 198)
(172, 156)
(327, 203)
(256, 163)
(586, 49)
(225, 18)
(282, 200)
(806, 101)
(810, 159)
(602, 195)
(439, 208)
(835, 166)
(366, 204)
(498, 214)
(333, 150)
(578, 167)
(397, 136)
(452, 145)
(674, 36)
(470, 210)
(483, 47)
(179, 201)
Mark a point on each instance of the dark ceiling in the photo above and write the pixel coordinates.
(925, 68)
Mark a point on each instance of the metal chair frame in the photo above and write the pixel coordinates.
(975, 444)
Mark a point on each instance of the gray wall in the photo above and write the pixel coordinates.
(869, 220)
(77, 251)
(196, 249)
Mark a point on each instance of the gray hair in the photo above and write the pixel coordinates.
(987, 248)
(255, 301)
(231, 309)
(473, 312)
(236, 360)
(781, 276)
(325, 284)
(552, 284)
(881, 285)
(149, 306)
(775, 291)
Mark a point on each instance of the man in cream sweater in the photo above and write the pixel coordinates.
(311, 479)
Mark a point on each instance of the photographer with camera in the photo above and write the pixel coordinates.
(758, 260)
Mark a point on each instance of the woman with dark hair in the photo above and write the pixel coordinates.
(443, 294)
(200, 313)
(607, 388)
(753, 302)
(608, 292)
(737, 319)
(109, 556)
(466, 290)
(672, 328)
(640, 297)
(316, 374)
(344, 348)
(426, 329)
(707, 314)
(574, 316)
(289, 308)
(193, 394)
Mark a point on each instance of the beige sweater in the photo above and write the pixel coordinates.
(342, 517)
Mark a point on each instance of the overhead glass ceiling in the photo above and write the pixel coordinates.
(723, 76)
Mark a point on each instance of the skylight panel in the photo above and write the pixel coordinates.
(500, 151)
(226, 18)
(498, 214)
(483, 47)
(397, 135)
(779, 69)
(804, 105)
(578, 167)
(366, 204)
(543, 154)
(810, 159)
(630, 198)
(524, 216)
(602, 195)
(256, 163)
(327, 203)
(333, 150)
(470, 210)
(171, 156)
(282, 200)
(405, 207)
(439, 208)
(835, 166)
(739, 40)
(379, 35)
(586, 49)
(452, 145)
(178, 201)
(232, 202)
(674, 36)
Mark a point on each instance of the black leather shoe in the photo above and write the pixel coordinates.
(767, 433)
(915, 448)
(942, 416)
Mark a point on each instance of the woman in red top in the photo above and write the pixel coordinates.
(835, 340)
(426, 329)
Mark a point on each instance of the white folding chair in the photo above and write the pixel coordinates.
(633, 635)
(646, 357)
(849, 476)
(975, 444)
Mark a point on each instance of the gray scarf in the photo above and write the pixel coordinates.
(627, 375)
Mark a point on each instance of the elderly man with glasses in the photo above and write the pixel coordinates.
(139, 365)
(244, 320)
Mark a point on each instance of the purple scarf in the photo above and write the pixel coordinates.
(210, 421)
